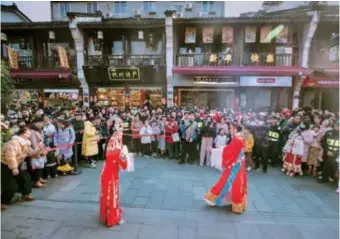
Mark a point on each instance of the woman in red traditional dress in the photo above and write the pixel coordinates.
(232, 185)
(110, 211)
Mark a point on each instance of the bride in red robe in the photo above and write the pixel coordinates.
(232, 184)
(110, 211)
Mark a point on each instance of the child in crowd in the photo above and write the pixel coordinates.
(248, 149)
(221, 139)
(154, 138)
(145, 134)
(50, 170)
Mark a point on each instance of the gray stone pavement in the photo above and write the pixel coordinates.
(163, 200)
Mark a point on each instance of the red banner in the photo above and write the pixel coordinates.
(320, 83)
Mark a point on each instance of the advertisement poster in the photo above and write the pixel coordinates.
(227, 35)
(282, 37)
(190, 35)
(265, 30)
(250, 35)
(208, 34)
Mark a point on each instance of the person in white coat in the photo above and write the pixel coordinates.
(146, 133)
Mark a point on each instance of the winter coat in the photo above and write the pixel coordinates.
(308, 136)
(171, 128)
(15, 151)
(90, 140)
(145, 133)
(36, 139)
(135, 128)
(64, 137)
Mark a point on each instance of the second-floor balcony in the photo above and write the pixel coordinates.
(43, 62)
(126, 60)
(229, 59)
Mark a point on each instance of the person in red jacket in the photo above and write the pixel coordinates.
(171, 137)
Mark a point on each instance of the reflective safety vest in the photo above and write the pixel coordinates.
(273, 136)
(199, 125)
(333, 144)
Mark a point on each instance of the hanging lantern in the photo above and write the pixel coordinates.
(270, 59)
(254, 58)
(140, 35)
(23, 44)
(51, 35)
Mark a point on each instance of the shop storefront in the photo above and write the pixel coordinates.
(26, 96)
(321, 93)
(126, 86)
(205, 91)
(121, 97)
(61, 97)
(259, 93)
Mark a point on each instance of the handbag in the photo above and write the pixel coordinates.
(175, 137)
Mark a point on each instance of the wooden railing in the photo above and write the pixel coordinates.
(126, 60)
(269, 59)
(43, 62)
(227, 59)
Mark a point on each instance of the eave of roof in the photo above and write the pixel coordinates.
(34, 25)
(256, 19)
(14, 8)
(125, 22)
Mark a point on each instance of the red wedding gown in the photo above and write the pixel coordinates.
(110, 211)
(238, 192)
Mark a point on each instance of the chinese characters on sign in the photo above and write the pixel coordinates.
(265, 80)
(63, 57)
(119, 74)
(190, 35)
(208, 34)
(207, 80)
(13, 57)
(227, 35)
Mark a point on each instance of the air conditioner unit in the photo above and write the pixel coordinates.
(188, 6)
(180, 14)
(138, 13)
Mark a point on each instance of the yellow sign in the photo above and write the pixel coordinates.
(63, 57)
(13, 57)
(120, 74)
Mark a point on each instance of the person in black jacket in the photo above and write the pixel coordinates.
(208, 133)
(78, 126)
(331, 153)
(274, 141)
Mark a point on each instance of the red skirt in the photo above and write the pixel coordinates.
(292, 163)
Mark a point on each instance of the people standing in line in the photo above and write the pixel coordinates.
(90, 142)
(145, 140)
(190, 151)
(65, 136)
(171, 137)
(208, 133)
(126, 123)
(155, 137)
(248, 148)
(78, 126)
(37, 164)
(136, 126)
(274, 141)
(14, 174)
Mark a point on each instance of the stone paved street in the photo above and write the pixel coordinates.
(163, 200)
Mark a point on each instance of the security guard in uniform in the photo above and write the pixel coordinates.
(274, 141)
(331, 152)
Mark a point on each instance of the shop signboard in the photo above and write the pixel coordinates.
(320, 83)
(13, 57)
(61, 94)
(63, 57)
(214, 80)
(123, 74)
(266, 81)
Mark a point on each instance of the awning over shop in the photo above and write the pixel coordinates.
(243, 70)
(327, 71)
(319, 82)
(41, 74)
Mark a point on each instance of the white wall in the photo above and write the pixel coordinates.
(235, 8)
